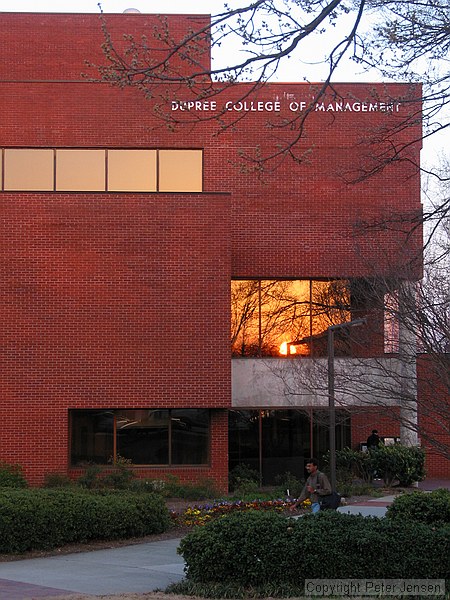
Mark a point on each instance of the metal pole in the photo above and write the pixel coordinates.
(331, 406)
(260, 448)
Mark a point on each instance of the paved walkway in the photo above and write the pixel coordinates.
(138, 568)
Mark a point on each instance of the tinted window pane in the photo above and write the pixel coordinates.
(29, 169)
(321, 436)
(143, 436)
(190, 436)
(285, 443)
(243, 438)
(92, 436)
(180, 170)
(132, 170)
(80, 170)
(273, 318)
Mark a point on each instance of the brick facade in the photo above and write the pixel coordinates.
(122, 300)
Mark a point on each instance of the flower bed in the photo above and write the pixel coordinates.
(202, 514)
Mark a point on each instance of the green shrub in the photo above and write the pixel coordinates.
(352, 463)
(246, 488)
(256, 548)
(242, 473)
(57, 480)
(44, 519)
(432, 508)
(120, 476)
(288, 484)
(91, 477)
(204, 489)
(148, 485)
(403, 463)
(11, 476)
(358, 489)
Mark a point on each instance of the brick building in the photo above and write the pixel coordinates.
(121, 239)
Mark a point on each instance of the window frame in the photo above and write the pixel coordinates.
(170, 441)
(103, 174)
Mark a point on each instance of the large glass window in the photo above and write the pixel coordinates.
(272, 318)
(144, 436)
(275, 442)
(189, 429)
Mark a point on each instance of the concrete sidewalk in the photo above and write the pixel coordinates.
(138, 568)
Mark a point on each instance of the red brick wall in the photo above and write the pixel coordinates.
(122, 300)
(363, 420)
(42, 46)
(305, 219)
(108, 301)
(431, 434)
(434, 413)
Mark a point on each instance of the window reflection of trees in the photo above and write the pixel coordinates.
(267, 313)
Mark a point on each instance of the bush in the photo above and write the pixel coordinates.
(57, 480)
(287, 482)
(120, 476)
(403, 463)
(90, 478)
(11, 476)
(257, 548)
(202, 490)
(432, 508)
(43, 519)
(358, 464)
(242, 474)
(148, 485)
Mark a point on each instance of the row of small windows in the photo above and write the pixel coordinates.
(76, 170)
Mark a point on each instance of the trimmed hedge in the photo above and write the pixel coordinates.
(405, 464)
(11, 476)
(255, 548)
(39, 519)
(432, 508)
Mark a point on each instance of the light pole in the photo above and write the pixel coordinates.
(331, 403)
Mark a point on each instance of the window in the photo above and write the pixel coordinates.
(273, 318)
(275, 442)
(144, 436)
(132, 171)
(89, 170)
(92, 436)
(391, 323)
(80, 170)
(180, 170)
(29, 170)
